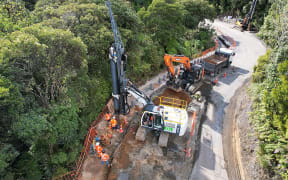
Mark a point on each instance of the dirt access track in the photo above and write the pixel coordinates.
(131, 159)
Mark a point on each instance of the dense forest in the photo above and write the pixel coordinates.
(55, 74)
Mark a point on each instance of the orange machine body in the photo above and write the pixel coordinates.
(169, 59)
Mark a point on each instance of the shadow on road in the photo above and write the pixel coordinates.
(232, 75)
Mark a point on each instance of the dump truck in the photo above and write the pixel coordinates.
(220, 59)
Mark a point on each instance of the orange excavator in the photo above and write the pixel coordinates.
(185, 76)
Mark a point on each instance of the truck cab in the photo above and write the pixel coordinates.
(170, 116)
(152, 120)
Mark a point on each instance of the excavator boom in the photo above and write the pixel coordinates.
(169, 59)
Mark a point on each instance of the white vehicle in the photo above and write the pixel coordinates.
(168, 116)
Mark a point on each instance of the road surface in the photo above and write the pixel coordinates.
(211, 164)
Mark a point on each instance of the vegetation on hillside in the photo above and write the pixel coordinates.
(270, 92)
(55, 75)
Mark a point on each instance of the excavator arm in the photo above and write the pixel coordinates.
(121, 86)
(249, 16)
(138, 94)
(169, 59)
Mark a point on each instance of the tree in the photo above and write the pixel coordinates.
(165, 21)
(48, 66)
(196, 11)
(13, 16)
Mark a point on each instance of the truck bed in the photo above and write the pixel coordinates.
(216, 59)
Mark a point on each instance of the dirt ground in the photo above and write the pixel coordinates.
(132, 159)
(239, 132)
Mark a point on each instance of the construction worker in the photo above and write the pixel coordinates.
(104, 158)
(108, 116)
(99, 149)
(113, 123)
(151, 121)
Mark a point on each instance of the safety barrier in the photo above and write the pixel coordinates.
(173, 102)
(75, 174)
(205, 54)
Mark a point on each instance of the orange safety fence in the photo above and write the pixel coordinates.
(188, 150)
(208, 50)
(75, 174)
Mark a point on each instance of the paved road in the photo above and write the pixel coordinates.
(210, 163)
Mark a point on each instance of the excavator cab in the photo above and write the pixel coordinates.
(152, 120)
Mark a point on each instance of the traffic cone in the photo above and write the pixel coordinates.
(125, 120)
(225, 74)
(216, 80)
(110, 126)
(120, 130)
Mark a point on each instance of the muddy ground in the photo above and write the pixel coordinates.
(132, 159)
(238, 132)
(147, 160)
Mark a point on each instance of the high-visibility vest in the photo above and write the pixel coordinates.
(113, 122)
(100, 154)
(105, 157)
(108, 116)
(99, 149)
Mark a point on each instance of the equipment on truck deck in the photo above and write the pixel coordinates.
(186, 75)
(224, 41)
(171, 117)
(214, 64)
(245, 24)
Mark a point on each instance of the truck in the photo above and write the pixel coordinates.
(169, 116)
(220, 59)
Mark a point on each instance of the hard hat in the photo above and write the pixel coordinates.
(114, 116)
(97, 144)
(103, 151)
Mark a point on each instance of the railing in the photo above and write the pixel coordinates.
(75, 174)
(173, 102)
(205, 54)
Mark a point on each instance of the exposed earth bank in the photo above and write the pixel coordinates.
(240, 141)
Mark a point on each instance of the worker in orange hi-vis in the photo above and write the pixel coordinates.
(99, 149)
(113, 123)
(104, 158)
(108, 116)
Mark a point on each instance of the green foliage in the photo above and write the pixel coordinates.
(164, 21)
(29, 4)
(270, 115)
(47, 65)
(138, 4)
(7, 156)
(27, 167)
(259, 70)
(13, 16)
(196, 11)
